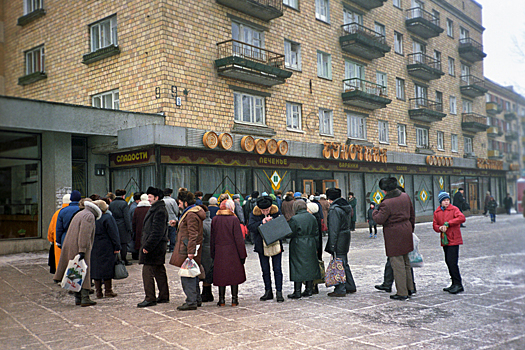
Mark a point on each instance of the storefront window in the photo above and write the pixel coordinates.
(20, 185)
(79, 165)
(133, 180)
(181, 176)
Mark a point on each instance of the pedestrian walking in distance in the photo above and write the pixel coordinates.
(492, 206)
(370, 220)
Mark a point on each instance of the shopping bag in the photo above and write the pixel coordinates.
(75, 274)
(335, 273)
(120, 269)
(272, 249)
(244, 230)
(444, 238)
(415, 257)
(189, 268)
(323, 273)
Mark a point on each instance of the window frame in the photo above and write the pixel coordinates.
(321, 64)
(440, 141)
(288, 46)
(318, 15)
(31, 61)
(32, 6)
(422, 135)
(287, 3)
(402, 130)
(323, 112)
(453, 105)
(400, 89)
(451, 66)
(356, 123)
(113, 33)
(468, 144)
(397, 3)
(450, 28)
(239, 118)
(382, 131)
(115, 102)
(454, 143)
(398, 43)
(290, 117)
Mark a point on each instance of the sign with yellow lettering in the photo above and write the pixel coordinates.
(336, 150)
(132, 158)
(489, 164)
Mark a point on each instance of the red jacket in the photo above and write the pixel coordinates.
(455, 218)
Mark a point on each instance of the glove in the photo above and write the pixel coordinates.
(243, 261)
(82, 255)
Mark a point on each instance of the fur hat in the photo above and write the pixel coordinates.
(388, 184)
(235, 196)
(255, 194)
(144, 197)
(75, 196)
(89, 204)
(156, 192)
(264, 202)
(120, 192)
(333, 193)
(314, 208)
(66, 199)
(443, 195)
(102, 205)
(322, 195)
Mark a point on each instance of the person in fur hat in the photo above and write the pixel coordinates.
(79, 241)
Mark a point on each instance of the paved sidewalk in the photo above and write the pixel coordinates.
(37, 314)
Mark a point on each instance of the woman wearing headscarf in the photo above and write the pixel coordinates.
(228, 252)
(137, 221)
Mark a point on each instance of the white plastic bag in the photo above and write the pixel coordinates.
(189, 268)
(74, 275)
(415, 257)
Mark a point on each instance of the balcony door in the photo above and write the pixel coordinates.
(353, 70)
(251, 36)
(421, 96)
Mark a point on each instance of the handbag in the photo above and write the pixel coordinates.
(274, 229)
(323, 273)
(120, 269)
(335, 272)
(415, 257)
(272, 249)
(189, 268)
(75, 273)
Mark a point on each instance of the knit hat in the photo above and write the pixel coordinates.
(264, 202)
(235, 196)
(272, 196)
(314, 208)
(443, 195)
(333, 193)
(297, 195)
(212, 201)
(264, 194)
(75, 196)
(388, 184)
(156, 192)
(66, 199)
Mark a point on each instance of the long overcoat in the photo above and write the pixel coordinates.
(304, 265)
(52, 233)
(189, 236)
(396, 214)
(338, 221)
(107, 241)
(353, 204)
(227, 249)
(137, 222)
(120, 210)
(79, 239)
(154, 235)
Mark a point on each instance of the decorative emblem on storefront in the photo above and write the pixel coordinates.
(275, 179)
(211, 140)
(441, 183)
(261, 146)
(489, 164)
(401, 181)
(248, 143)
(352, 152)
(377, 197)
(440, 161)
(225, 141)
(423, 195)
(271, 146)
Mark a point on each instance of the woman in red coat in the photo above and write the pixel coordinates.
(447, 221)
(228, 252)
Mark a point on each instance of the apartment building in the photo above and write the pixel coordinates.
(243, 95)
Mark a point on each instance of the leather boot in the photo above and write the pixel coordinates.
(309, 290)
(207, 294)
(279, 297)
(268, 295)
(222, 293)
(98, 289)
(235, 295)
(85, 301)
(108, 289)
(316, 289)
(78, 298)
(296, 291)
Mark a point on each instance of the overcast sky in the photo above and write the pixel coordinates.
(504, 22)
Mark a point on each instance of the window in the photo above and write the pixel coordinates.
(440, 141)
(421, 96)
(450, 28)
(439, 101)
(452, 104)
(398, 43)
(397, 3)
(356, 126)
(507, 106)
(379, 28)
(419, 50)
(436, 16)
(35, 60)
(248, 35)
(322, 10)
(324, 65)
(421, 138)
(451, 69)
(107, 100)
(293, 116)
(402, 134)
(292, 3)
(400, 89)
(463, 33)
(467, 106)
(465, 73)
(383, 131)
(292, 55)
(103, 33)
(248, 108)
(454, 143)
(326, 122)
(468, 145)
(381, 79)
(350, 16)
(353, 70)
(32, 5)
(437, 56)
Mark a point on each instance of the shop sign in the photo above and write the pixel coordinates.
(132, 157)
(260, 146)
(211, 140)
(514, 167)
(272, 161)
(336, 150)
(489, 164)
(440, 161)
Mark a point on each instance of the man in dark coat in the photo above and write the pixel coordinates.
(65, 216)
(459, 201)
(153, 250)
(338, 245)
(398, 218)
(353, 203)
(120, 210)
(248, 206)
(507, 202)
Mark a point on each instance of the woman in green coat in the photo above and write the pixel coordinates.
(304, 266)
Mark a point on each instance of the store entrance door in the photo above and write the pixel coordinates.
(312, 186)
(473, 197)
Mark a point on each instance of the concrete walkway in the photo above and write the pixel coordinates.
(37, 314)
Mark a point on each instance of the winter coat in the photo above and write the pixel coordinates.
(287, 207)
(459, 201)
(455, 218)
(52, 233)
(256, 218)
(171, 207)
(120, 210)
(507, 203)
(206, 260)
(189, 236)
(325, 205)
(137, 223)
(239, 212)
(132, 208)
(248, 208)
(338, 222)
(353, 204)
(396, 214)
(228, 250)
(154, 235)
(213, 210)
(304, 265)
(79, 239)
(63, 221)
(107, 241)
(492, 206)
(370, 217)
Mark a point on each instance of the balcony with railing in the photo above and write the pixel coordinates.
(493, 108)
(262, 9)
(422, 23)
(471, 50)
(494, 131)
(424, 67)
(250, 63)
(362, 41)
(425, 110)
(369, 4)
(361, 93)
(472, 86)
(510, 116)
(511, 135)
(473, 122)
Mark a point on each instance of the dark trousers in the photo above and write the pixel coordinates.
(352, 225)
(124, 251)
(190, 286)
(370, 228)
(172, 232)
(451, 258)
(150, 274)
(349, 285)
(388, 278)
(493, 217)
(264, 261)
